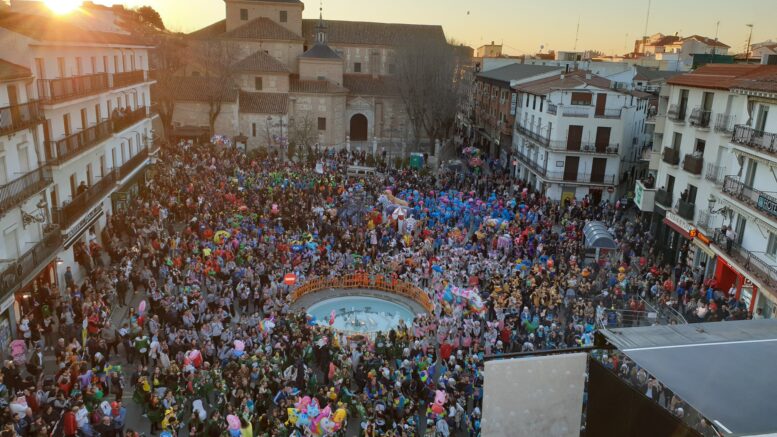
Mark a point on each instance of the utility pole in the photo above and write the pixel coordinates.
(644, 34)
(714, 48)
(749, 40)
(577, 34)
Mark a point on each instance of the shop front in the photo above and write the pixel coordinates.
(122, 198)
(751, 290)
(704, 257)
(675, 238)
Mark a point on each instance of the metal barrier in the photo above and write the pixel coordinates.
(366, 281)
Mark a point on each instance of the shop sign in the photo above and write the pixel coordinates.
(638, 191)
(767, 204)
(85, 222)
(680, 222)
(514, 103)
(703, 238)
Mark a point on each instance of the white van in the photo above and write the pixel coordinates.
(358, 171)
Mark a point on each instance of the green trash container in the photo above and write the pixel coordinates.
(416, 161)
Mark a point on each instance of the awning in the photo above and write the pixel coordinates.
(724, 370)
(677, 229)
(598, 237)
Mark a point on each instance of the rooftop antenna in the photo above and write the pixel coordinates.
(577, 34)
(749, 40)
(717, 28)
(647, 20)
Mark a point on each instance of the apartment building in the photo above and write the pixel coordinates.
(573, 133)
(495, 104)
(83, 97)
(718, 160)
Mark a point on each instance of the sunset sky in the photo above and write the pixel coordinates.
(522, 25)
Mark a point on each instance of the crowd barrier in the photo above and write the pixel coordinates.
(366, 281)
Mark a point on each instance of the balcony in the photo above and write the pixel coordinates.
(122, 122)
(534, 166)
(18, 117)
(30, 263)
(714, 173)
(664, 197)
(68, 214)
(700, 118)
(609, 113)
(644, 197)
(586, 147)
(62, 150)
(676, 113)
(128, 167)
(685, 209)
(18, 190)
(762, 201)
(576, 111)
(724, 124)
(671, 156)
(581, 178)
(53, 91)
(693, 164)
(764, 142)
(545, 141)
(552, 109)
(127, 78)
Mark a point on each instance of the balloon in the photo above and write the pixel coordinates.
(340, 415)
(293, 414)
(233, 421)
(437, 409)
(142, 307)
(303, 419)
(239, 345)
(332, 318)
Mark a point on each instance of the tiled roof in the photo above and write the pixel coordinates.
(366, 85)
(199, 89)
(308, 86)
(716, 76)
(570, 80)
(11, 71)
(264, 103)
(652, 74)
(665, 41)
(212, 31)
(762, 80)
(321, 51)
(709, 41)
(55, 29)
(262, 28)
(260, 62)
(517, 72)
(367, 33)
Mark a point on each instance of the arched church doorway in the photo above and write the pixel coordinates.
(358, 128)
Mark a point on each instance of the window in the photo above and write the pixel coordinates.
(321, 123)
(61, 66)
(105, 64)
(357, 67)
(581, 98)
(258, 83)
(244, 14)
(284, 16)
(94, 64)
(79, 66)
(40, 68)
(771, 246)
(677, 139)
(391, 68)
(253, 130)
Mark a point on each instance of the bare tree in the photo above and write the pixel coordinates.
(303, 131)
(215, 56)
(168, 58)
(428, 86)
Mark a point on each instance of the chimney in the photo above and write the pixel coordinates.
(562, 76)
(492, 42)
(588, 76)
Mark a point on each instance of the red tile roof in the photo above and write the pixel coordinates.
(264, 103)
(307, 86)
(364, 84)
(368, 33)
(569, 80)
(763, 80)
(709, 41)
(199, 89)
(262, 28)
(58, 30)
(11, 71)
(212, 31)
(716, 76)
(260, 62)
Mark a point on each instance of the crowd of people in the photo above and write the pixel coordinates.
(212, 346)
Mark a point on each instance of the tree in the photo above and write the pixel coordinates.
(216, 57)
(428, 86)
(150, 16)
(303, 131)
(168, 58)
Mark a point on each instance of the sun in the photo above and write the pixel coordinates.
(61, 7)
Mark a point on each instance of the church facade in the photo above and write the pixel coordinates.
(332, 81)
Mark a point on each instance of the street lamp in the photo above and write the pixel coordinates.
(724, 211)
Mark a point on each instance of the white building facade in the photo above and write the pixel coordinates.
(92, 145)
(717, 169)
(572, 133)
